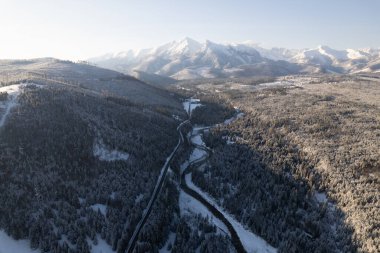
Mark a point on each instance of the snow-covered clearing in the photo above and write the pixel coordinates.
(170, 241)
(197, 154)
(320, 197)
(6, 106)
(106, 154)
(190, 206)
(197, 140)
(10, 245)
(101, 247)
(190, 104)
(251, 242)
(99, 207)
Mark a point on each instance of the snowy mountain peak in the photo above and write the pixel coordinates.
(188, 58)
(185, 46)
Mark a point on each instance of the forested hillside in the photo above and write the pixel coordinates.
(78, 163)
(301, 168)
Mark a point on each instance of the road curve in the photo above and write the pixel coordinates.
(156, 191)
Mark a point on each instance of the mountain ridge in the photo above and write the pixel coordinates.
(190, 59)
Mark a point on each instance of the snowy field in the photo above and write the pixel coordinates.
(10, 245)
(106, 154)
(251, 242)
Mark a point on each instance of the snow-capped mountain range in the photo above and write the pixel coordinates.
(189, 59)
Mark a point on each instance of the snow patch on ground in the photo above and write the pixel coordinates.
(188, 206)
(251, 242)
(139, 198)
(65, 240)
(184, 166)
(228, 139)
(200, 128)
(6, 106)
(81, 200)
(197, 140)
(99, 207)
(190, 104)
(101, 247)
(176, 117)
(170, 241)
(238, 116)
(320, 197)
(277, 83)
(10, 245)
(106, 154)
(197, 154)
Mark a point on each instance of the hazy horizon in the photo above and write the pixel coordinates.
(82, 29)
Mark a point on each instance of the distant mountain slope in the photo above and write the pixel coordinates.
(189, 59)
(153, 79)
(91, 78)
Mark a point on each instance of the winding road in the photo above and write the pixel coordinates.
(234, 236)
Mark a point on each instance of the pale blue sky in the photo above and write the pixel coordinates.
(77, 29)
